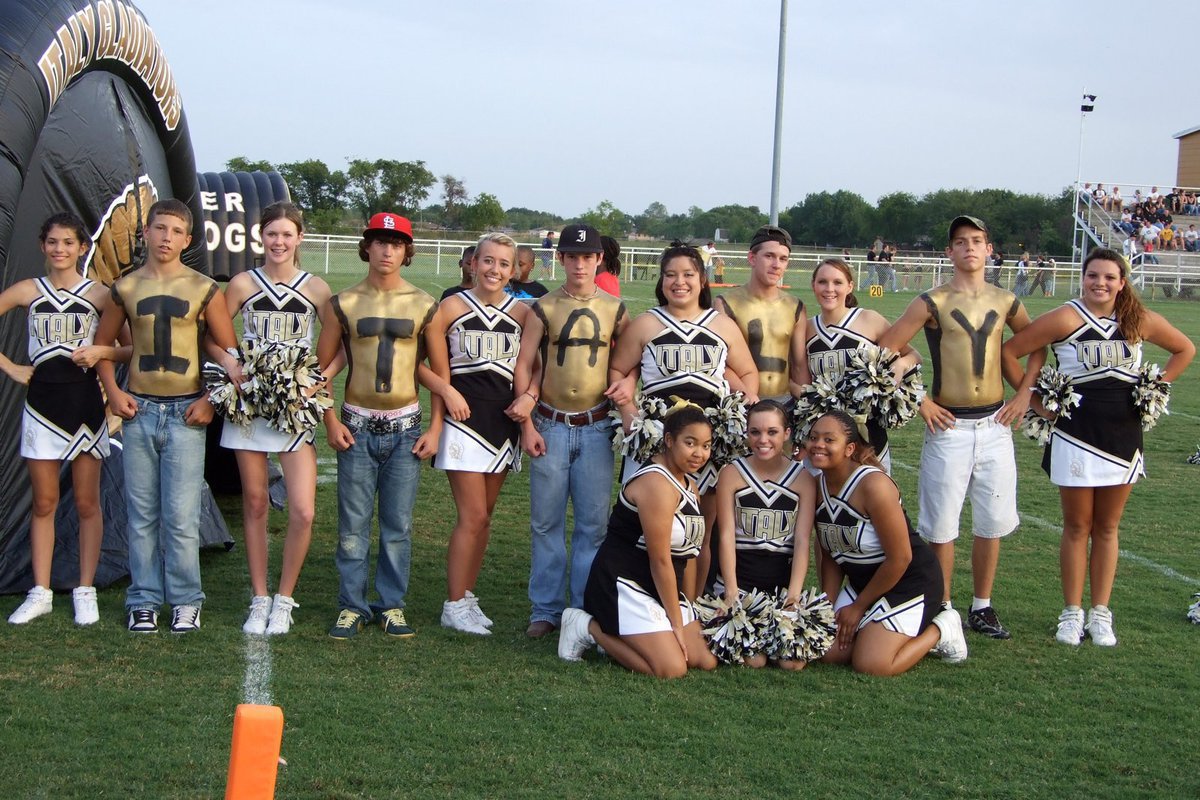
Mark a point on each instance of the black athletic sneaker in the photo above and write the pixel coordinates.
(986, 622)
(143, 620)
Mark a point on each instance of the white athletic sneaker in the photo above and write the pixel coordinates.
(482, 618)
(37, 603)
(1099, 627)
(281, 615)
(260, 611)
(87, 612)
(952, 645)
(573, 635)
(185, 619)
(1070, 626)
(459, 615)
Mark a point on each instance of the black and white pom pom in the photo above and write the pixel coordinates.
(728, 420)
(734, 632)
(285, 376)
(803, 632)
(645, 431)
(1194, 612)
(236, 407)
(1057, 392)
(1194, 458)
(1151, 394)
(1037, 427)
(816, 399)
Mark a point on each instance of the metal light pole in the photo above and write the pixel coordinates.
(778, 112)
(1080, 237)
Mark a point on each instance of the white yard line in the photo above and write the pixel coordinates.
(256, 685)
(1161, 569)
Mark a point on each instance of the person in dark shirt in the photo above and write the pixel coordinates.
(520, 286)
(468, 273)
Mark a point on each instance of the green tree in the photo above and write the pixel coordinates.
(896, 218)
(485, 213)
(608, 219)
(840, 219)
(653, 221)
(243, 164)
(388, 185)
(527, 219)
(313, 186)
(736, 223)
(454, 196)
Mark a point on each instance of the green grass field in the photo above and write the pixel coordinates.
(100, 713)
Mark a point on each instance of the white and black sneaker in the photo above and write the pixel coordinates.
(185, 619)
(143, 620)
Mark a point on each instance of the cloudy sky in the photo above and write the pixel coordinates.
(559, 105)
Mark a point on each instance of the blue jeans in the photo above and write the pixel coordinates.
(578, 464)
(164, 469)
(376, 465)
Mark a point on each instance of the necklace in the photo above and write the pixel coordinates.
(595, 289)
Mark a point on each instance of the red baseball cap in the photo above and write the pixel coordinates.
(386, 222)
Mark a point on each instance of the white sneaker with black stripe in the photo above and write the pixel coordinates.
(185, 619)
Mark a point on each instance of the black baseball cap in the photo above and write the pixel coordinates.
(579, 239)
(963, 219)
(771, 233)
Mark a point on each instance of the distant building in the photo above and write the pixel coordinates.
(1188, 172)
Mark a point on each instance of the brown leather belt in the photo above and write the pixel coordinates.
(589, 417)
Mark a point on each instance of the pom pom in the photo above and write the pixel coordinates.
(816, 399)
(802, 632)
(869, 388)
(734, 632)
(645, 432)
(1057, 392)
(1194, 458)
(1058, 397)
(728, 420)
(1194, 611)
(237, 407)
(1151, 394)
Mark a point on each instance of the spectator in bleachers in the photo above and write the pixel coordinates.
(1172, 201)
(1191, 239)
(1115, 203)
(1138, 199)
(1166, 238)
(1125, 224)
(1100, 196)
(1154, 195)
(1191, 206)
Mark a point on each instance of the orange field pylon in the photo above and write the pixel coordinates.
(254, 757)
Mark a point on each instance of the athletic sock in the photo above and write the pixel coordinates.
(980, 602)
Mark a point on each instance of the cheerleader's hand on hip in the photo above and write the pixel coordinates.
(847, 619)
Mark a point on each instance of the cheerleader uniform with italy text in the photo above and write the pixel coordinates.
(764, 518)
(483, 344)
(851, 539)
(829, 350)
(64, 407)
(685, 359)
(620, 591)
(274, 312)
(1101, 443)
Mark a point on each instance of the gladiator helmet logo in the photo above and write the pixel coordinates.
(118, 247)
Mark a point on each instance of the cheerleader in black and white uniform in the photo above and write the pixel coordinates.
(64, 417)
(886, 580)
(687, 349)
(1095, 456)
(634, 606)
(473, 340)
(278, 303)
(841, 328)
(767, 500)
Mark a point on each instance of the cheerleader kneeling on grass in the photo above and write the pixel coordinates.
(886, 579)
(766, 501)
(634, 606)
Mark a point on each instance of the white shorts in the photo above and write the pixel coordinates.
(973, 459)
(640, 612)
